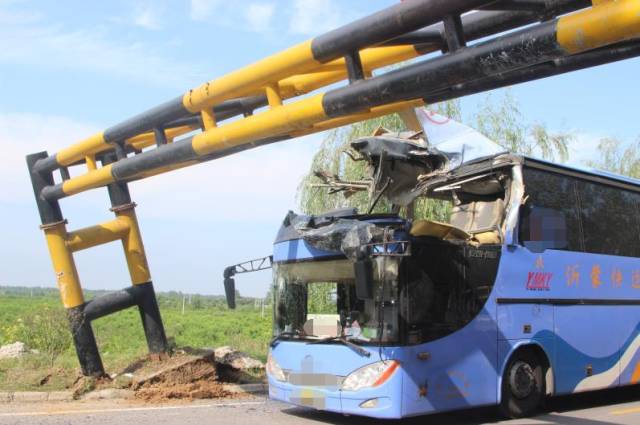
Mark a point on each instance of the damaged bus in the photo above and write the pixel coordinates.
(532, 288)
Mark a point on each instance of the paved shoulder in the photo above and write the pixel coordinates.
(602, 408)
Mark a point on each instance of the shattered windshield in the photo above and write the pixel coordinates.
(317, 299)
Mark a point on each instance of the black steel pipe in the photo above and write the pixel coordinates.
(142, 295)
(374, 29)
(146, 121)
(558, 66)
(112, 302)
(503, 54)
(484, 23)
(526, 5)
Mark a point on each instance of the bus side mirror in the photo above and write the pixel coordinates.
(230, 292)
(363, 270)
(230, 287)
(543, 228)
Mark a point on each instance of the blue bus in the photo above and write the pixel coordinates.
(531, 289)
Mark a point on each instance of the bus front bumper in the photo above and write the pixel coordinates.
(380, 402)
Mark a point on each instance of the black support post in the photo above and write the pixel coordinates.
(49, 209)
(354, 66)
(85, 342)
(151, 320)
(453, 32)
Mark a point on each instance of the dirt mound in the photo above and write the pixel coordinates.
(183, 376)
(193, 391)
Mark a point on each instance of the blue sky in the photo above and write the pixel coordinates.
(69, 69)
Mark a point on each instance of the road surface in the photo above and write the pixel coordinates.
(601, 408)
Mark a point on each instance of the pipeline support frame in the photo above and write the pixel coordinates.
(277, 98)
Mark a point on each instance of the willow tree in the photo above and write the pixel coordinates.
(614, 156)
(499, 119)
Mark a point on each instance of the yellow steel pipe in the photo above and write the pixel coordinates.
(100, 234)
(605, 23)
(89, 146)
(133, 246)
(63, 265)
(371, 59)
(247, 80)
(92, 179)
(376, 112)
(274, 122)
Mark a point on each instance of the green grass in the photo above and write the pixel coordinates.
(121, 339)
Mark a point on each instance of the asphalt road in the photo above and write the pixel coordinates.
(601, 408)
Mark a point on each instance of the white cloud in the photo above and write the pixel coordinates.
(313, 17)
(28, 39)
(253, 17)
(259, 16)
(147, 16)
(202, 10)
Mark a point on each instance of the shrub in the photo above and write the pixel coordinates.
(47, 331)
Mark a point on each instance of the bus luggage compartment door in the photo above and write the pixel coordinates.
(588, 346)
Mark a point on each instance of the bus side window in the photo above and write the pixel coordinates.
(610, 218)
(543, 228)
(550, 219)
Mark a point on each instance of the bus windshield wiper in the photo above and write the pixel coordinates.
(345, 341)
(287, 335)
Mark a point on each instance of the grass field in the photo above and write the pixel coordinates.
(206, 322)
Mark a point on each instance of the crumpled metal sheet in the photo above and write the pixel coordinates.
(397, 162)
(342, 235)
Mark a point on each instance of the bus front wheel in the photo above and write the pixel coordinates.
(522, 385)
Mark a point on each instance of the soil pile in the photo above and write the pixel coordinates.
(183, 376)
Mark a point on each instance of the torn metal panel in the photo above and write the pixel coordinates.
(397, 162)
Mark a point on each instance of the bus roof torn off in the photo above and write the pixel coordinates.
(403, 165)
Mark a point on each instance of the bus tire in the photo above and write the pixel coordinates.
(523, 385)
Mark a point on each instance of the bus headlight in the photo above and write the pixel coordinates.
(370, 376)
(274, 369)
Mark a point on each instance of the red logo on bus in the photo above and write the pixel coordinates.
(539, 281)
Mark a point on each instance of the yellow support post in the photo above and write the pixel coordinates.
(91, 162)
(132, 245)
(63, 264)
(208, 119)
(273, 95)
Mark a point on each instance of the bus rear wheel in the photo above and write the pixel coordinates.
(522, 385)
